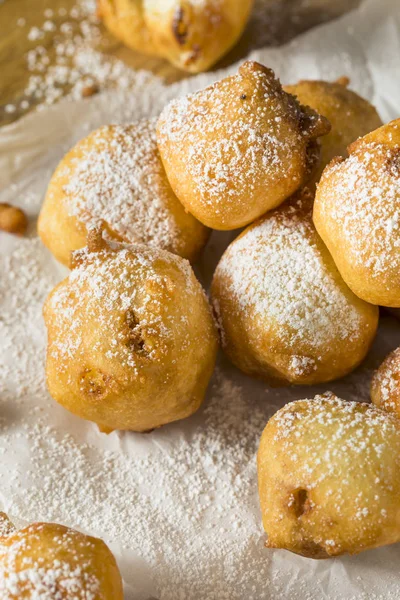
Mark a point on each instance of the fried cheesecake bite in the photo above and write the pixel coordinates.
(115, 176)
(131, 339)
(284, 312)
(328, 477)
(357, 214)
(385, 385)
(350, 115)
(238, 148)
(191, 35)
(46, 560)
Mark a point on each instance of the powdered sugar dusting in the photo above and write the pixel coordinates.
(180, 505)
(231, 142)
(231, 568)
(301, 364)
(385, 388)
(23, 575)
(106, 286)
(6, 527)
(116, 175)
(366, 207)
(276, 268)
(348, 451)
(328, 411)
(178, 501)
(65, 61)
(241, 144)
(213, 470)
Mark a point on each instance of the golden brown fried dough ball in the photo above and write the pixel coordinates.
(385, 386)
(12, 219)
(49, 561)
(115, 176)
(191, 35)
(284, 312)
(131, 340)
(357, 214)
(328, 477)
(350, 115)
(238, 148)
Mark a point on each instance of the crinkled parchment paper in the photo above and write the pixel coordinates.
(179, 506)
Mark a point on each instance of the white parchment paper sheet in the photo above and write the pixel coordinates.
(365, 45)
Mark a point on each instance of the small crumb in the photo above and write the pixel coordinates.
(12, 219)
(89, 90)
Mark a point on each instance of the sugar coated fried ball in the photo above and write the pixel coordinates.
(50, 561)
(284, 312)
(385, 386)
(238, 148)
(115, 176)
(350, 115)
(191, 35)
(131, 340)
(328, 477)
(357, 214)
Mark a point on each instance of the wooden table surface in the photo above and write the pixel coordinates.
(272, 22)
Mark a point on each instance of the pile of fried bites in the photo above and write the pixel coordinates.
(314, 178)
(131, 337)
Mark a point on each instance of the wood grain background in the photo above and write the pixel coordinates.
(273, 22)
